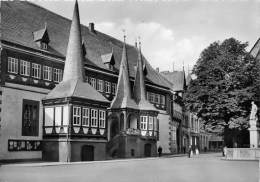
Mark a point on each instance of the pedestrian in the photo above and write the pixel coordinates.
(190, 152)
(225, 151)
(197, 151)
(160, 151)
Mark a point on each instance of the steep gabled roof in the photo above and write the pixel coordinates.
(42, 35)
(177, 78)
(108, 58)
(20, 18)
(73, 84)
(123, 97)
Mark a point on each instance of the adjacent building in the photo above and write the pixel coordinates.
(72, 93)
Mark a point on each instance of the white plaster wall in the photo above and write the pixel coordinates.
(164, 129)
(12, 103)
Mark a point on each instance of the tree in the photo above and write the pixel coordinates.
(227, 80)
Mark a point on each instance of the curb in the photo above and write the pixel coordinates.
(45, 164)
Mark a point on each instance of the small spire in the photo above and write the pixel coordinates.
(124, 34)
(74, 59)
(45, 25)
(123, 98)
(139, 84)
(139, 39)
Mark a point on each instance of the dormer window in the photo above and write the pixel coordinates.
(108, 60)
(44, 46)
(41, 37)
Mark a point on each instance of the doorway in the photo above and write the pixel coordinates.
(87, 153)
(147, 150)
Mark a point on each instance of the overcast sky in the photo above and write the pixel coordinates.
(171, 31)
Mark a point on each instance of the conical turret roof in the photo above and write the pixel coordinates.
(123, 98)
(73, 84)
(139, 86)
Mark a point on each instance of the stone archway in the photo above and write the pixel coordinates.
(132, 121)
(114, 129)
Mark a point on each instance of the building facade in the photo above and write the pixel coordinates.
(35, 123)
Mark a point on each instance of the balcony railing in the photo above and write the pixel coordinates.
(133, 131)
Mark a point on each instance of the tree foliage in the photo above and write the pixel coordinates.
(227, 80)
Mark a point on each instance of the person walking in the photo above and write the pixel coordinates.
(190, 152)
(160, 151)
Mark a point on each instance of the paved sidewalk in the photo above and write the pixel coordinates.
(202, 168)
(43, 163)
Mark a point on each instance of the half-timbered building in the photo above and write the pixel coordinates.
(59, 114)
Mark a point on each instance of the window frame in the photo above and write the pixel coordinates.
(85, 116)
(100, 85)
(36, 70)
(94, 118)
(12, 65)
(151, 123)
(33, 118)
(76, 116)
(48, 71)
(113, 88)
(102, 119)
(143, 122)
(24, 68)
(93, 82)
(57, 75)
(107, 87)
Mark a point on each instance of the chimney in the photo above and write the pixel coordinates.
(135, 44)
(92, 27)
(157, 69)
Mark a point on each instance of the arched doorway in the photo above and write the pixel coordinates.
(122, 122)
(87, 153)
(114, 129)
(147, 150)
(132, 121)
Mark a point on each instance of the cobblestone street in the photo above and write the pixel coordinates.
(205, 168)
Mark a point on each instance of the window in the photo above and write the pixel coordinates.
(157, 98)
(151, 97)
(30, 120)
(57, 75)
(113, 88)
(25, 68)
(12, 65)
(107, 87)
(85, 116)
(155, 124)
(102, 119)
(36, 70)
(47, 73)
(150, 127)
(143, 122)
(94, 118)
(100, 85)
(162, 99)
(76, 115)
(44, 46)
(93, 82)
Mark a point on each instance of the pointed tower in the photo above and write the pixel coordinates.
(133, 125)
(139, 86)
(69, 107)
(123, 98)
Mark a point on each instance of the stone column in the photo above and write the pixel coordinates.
(254, 137)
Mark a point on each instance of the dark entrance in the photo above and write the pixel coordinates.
(87, 153)
(147, 150)
(114, 129)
